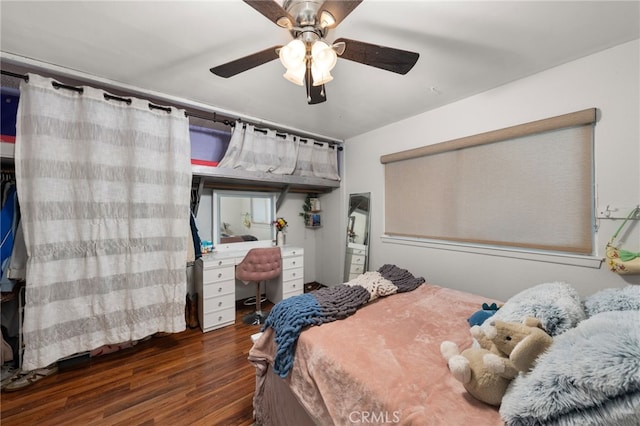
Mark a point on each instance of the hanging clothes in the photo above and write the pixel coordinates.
(8, 226)
(197, 243)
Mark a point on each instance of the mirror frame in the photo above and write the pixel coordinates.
(367, 230)
(216, 215)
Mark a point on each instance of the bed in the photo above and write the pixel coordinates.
(382, 365)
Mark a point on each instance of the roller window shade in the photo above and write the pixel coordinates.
(530, 189)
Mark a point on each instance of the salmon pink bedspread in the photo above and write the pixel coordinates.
(382, 365)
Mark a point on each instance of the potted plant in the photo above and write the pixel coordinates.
(306, 209)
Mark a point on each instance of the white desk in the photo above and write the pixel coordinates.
(216, 284)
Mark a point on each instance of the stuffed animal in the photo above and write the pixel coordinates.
(478, 317)
(506, 349)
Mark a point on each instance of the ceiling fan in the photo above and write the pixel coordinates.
(309, 58)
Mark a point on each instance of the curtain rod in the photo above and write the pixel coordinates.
(107, 96)
(226, 121)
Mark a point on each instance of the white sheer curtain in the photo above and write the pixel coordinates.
(104, 193)
(316, 159)
(261, 150)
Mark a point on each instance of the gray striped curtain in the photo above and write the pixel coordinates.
(104, 191)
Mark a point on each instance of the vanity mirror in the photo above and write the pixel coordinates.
(358, 228)
(240, 216)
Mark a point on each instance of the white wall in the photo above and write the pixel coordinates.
(297, 234)
(324, 248)
(607, 80)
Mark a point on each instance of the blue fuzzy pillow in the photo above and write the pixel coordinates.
(613, 299)
(556, 304)
(589, 376)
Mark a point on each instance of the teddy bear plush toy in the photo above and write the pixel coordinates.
(505, 349)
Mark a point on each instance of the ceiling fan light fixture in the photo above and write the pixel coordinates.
(320, 76)
(293, 55)
(309, 59)
(326, 19)
(324, 57)
(339, 47)
(284, 22)
(296, 75)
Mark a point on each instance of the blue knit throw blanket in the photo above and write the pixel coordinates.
(328, 304)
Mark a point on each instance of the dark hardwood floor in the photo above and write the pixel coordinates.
(188, 378)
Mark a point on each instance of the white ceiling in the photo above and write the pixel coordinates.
(465, 47)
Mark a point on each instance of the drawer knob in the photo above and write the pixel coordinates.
(219, 289)
(220, 318)
(294, 286)
(294, 262)
(219, 303)
(294, 274)
(219, 274)
(219, 262)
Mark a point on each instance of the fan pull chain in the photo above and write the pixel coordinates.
(308, 85)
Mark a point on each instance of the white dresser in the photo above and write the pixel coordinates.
(215, 282)
(356, 257)
(291, 280)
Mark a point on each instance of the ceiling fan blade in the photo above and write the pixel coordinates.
(386, 58)
(315, 94)
(246, 63)
(271, 10)
(339, 9)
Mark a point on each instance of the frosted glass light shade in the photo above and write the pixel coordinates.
(293, 54)
(296, 75)
(327, 19)
(320, 76)
(324, 57)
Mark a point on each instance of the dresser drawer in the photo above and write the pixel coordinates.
(291, 253)
(292, 262)
(210, 290)
(356, 269)
(292, 293)
(357, 252)
(218, 318)
(357, 260)
(217, 263)
(296, 285)
(219, 303)
(213, 275)
(292, 274)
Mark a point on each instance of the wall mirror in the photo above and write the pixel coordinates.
(240, 216)
(358, 228)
